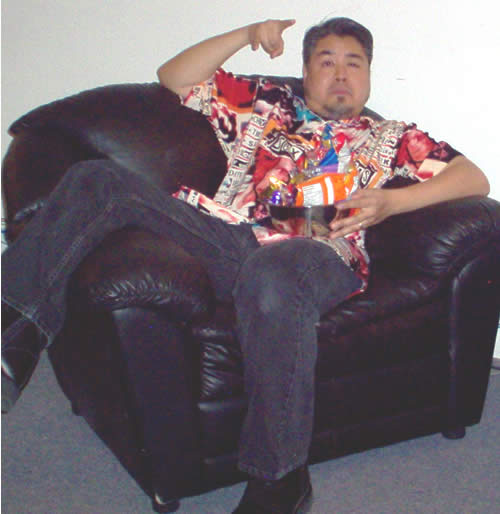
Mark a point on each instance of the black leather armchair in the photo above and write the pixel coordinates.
(149, 358)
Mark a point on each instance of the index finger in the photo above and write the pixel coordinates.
(284, 24)
(358, 199)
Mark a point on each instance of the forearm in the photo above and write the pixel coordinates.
(459, 179)
(199, 62)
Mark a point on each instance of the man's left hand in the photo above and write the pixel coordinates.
(371, 206)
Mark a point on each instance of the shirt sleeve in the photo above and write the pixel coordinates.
(200, 96)
(421, 157)
(227, 101)
(222, 92)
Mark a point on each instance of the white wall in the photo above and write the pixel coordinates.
(435, 62)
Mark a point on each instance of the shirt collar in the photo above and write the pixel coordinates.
(305, 114)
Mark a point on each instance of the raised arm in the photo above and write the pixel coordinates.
(199, 62)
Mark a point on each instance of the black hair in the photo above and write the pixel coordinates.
(340, 27)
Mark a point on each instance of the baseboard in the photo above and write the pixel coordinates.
(496, 363)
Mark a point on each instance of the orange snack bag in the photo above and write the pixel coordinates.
(323, 189)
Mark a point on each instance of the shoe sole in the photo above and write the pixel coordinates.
(10, 393)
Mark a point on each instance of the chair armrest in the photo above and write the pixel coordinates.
(33, 165)
(437, 240)
(135, 268)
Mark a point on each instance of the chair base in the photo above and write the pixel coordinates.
(454, 433)
(162, 507)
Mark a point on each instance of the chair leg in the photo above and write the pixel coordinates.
(75, 408)
(454, 433)
(160, 506)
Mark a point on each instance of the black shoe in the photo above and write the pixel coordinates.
(291, 494)
(20, 355)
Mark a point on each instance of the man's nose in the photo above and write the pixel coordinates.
(340, 72)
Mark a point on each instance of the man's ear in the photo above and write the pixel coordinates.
(304, 71)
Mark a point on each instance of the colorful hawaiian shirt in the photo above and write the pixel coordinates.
(268, 133)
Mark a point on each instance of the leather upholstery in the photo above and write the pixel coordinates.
(409, 357)
(140, 268)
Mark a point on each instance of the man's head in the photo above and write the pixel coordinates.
(336, 68)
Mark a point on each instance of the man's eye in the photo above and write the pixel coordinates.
(354, 65)
(327, 63)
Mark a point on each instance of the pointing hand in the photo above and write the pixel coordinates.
(268, 34)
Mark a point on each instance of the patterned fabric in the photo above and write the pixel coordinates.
(267, 133)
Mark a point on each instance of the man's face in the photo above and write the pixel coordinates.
(337, 78)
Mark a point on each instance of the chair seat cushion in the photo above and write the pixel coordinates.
(351, 338)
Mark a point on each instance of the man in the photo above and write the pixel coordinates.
(280, 285)
(336, 71)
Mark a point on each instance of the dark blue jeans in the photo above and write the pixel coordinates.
(279, 291)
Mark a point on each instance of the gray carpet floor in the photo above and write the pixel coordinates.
(52, 463)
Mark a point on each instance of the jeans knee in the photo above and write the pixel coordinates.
(89, 174)
(265, 285)
(96, 181)
(303, 271)
(267, 296)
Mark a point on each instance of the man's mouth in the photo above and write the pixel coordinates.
(340, 91)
